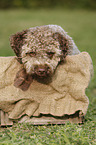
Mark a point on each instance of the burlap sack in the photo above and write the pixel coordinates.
(64, 95)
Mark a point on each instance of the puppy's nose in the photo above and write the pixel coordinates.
(41, 70)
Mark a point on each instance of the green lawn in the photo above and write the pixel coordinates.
(81, 26)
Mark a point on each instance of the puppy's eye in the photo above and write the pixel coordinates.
(50, 54)
(31, 54)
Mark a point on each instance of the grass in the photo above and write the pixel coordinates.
(68, 134)
(81, 26)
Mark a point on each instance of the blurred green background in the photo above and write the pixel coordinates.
(89, 4)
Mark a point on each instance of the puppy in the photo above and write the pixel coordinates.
(40, 50)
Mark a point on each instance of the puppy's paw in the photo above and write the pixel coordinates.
(22, 80)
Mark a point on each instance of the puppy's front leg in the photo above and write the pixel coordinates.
(22, 80)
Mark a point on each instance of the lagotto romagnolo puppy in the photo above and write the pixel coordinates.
(40, 50)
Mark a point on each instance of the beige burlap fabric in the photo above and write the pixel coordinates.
(64, 95)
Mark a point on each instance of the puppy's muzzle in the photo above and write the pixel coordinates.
(42, 71)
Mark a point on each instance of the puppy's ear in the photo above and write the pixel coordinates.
(23, 80)
(16, 42)
(63, 44)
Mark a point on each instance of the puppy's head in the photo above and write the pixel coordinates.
(40, 50)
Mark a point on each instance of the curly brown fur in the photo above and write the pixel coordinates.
(63, 43)
(17, 41)
(40, 50)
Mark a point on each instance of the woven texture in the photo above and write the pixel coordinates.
(64, 95)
